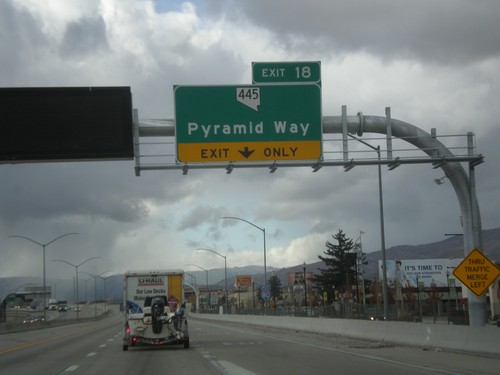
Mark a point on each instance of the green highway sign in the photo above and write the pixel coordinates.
(248, 122)
(281, 72)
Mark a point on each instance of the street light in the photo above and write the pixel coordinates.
(305, 285)
(225, 271)
(449, 304)
(418, 299)
(44, 245)
(358, 247)
(263, 232)
(206, 274)
(105, 291)
(196, 295)
(193, 279)
(382, 229)
(76, 271)
(55, 287)
(95, 288)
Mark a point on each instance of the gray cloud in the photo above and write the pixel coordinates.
(449, 32)
(101, 190)
(21, 43)
(83, 37)
(450, 83)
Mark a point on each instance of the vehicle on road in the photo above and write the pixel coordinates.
(52, 304)
(154, 312)
(33, 319)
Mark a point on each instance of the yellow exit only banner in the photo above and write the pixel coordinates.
(248, 151)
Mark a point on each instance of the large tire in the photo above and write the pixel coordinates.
(186, 343)
(125, 347)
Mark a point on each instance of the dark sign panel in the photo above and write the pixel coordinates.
(65, 123)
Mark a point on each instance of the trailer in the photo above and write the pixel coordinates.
(154, 309)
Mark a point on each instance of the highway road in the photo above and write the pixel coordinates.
(221, 348)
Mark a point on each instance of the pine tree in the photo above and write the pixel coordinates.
(340, 273)
(275, 283)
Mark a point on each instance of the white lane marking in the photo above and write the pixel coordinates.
(102, 346)
(359, 355)
(71, 368)
(233, 369)
(354, 354)
(91, 354)
(225, 367)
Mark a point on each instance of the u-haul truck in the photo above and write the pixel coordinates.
(154, 308)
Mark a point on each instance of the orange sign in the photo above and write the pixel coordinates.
(248, 151)
(243, 281)
(476, 272)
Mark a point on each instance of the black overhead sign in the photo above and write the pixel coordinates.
(65, 124)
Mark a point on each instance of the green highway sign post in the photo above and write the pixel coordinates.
(292, 72)
(248, 122)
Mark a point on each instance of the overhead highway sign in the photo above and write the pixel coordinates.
(280, 72)
(248, 122)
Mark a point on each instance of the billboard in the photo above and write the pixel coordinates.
(243, 281)
(297, 278)
(43, 124)
(428, 271)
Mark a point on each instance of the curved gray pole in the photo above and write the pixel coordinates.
(463, 185)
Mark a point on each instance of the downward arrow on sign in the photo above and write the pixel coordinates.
(246, 152)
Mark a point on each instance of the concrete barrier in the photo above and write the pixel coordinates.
(476, 340)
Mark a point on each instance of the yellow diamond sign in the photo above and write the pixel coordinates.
(477, 272)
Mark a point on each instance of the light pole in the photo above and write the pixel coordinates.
(95, 288)
(359, 269)
(382, 229)
(264, 234)
(55, 288)
(305, 286)
(418, 299)
(206, 274)
(86, 290)
(76, 271)
(196, 294)
(225, 271)
(44, 245)
(193, 279)
(105, 291)
(449, 304)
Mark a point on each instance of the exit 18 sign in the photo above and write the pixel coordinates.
(287, 71)
(248, 122)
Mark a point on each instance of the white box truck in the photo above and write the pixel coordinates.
(154, 308)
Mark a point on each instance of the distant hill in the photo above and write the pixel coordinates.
(451, 247)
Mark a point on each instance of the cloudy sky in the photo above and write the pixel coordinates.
(435, 63)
